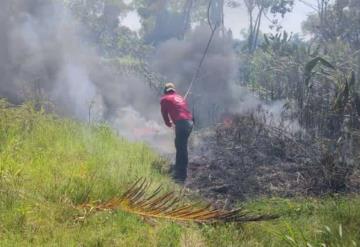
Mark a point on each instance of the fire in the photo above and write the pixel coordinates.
(147, 131)
(227, 120)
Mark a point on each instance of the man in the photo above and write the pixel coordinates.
(175, 111)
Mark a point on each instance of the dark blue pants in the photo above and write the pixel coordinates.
(182, 132)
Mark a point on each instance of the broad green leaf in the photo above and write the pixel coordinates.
(311, 65)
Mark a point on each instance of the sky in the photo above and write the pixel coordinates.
(237, 19)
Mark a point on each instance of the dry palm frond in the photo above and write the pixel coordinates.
(168, 206)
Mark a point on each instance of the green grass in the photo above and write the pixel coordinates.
(331, 221)
(49, 164)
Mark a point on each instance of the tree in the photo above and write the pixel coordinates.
(257, 11)
(101, 19)
(164, 19)
(333, 22)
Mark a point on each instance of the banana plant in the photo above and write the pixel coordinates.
(345, 88)
(342, 103)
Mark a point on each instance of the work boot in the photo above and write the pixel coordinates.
(179, 181)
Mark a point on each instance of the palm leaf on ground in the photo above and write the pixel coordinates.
(157, 205)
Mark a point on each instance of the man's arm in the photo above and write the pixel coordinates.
(165, 113)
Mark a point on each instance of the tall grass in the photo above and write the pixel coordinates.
(49, 164)
(330, 221)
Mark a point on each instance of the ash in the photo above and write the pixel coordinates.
(245, 157)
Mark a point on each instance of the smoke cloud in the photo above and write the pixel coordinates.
(42, 54)
(217, 91)
(179, 59)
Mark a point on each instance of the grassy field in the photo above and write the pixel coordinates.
(48, 165)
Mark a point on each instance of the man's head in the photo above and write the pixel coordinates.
(169, 87)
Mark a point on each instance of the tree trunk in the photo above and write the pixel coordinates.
(257, 29)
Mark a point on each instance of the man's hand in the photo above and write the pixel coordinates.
(169, 124)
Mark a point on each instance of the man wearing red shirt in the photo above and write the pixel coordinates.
(175, 111)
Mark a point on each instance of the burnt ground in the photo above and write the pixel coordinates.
(246, 158)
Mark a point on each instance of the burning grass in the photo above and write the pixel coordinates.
(246, 157)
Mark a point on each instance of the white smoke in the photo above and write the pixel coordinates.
(41, 47)
(134, 126)
(43, 52)
(74, 83)
(275, 113)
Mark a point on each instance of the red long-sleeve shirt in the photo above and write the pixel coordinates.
(174, 107)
